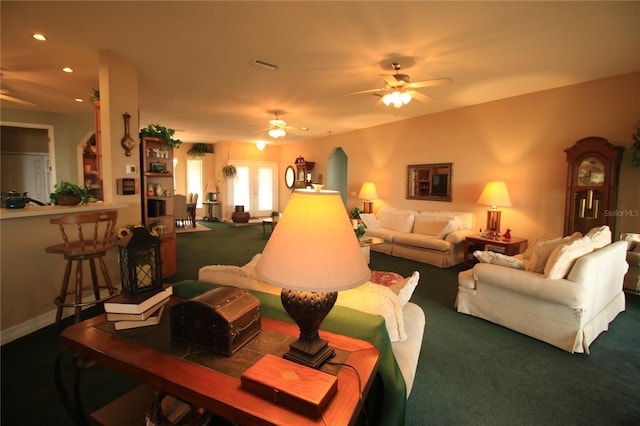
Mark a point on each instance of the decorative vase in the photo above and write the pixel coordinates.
(150, 191)
(239, 215)
(159, 191)
(127, 142)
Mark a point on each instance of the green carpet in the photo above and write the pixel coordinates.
(471, 372)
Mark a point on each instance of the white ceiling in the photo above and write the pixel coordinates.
(194, 57)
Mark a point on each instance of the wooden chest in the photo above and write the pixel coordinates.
(221, 320)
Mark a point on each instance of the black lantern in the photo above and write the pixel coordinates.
(140, 263)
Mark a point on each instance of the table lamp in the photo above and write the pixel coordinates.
(210, 190)
(312, 253)
(494, 194)
(368, 193)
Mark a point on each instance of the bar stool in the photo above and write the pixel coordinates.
(95, 233)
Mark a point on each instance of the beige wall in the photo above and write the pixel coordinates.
(520, 140)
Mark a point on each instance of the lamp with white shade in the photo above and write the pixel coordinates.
(494, 194)
(368, 193)
(310, 280)
(211, 192)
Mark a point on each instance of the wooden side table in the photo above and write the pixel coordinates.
(165, 366)
(509, 247)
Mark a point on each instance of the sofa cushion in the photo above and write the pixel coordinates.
(564, 256)
(453, 225)
(385, 234)
(498, 259)
(467, 218)
(397, 219)
(427, 225)
(421, 241)
(600, 236)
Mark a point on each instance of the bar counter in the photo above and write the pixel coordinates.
(31, 278)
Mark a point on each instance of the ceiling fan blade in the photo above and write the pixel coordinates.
(366, 91)
(16, 100)
(420, 96)
(430, 83)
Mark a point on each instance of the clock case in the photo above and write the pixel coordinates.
(592, 183)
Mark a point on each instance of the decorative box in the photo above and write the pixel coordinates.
(221, 320)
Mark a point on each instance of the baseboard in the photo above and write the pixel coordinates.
(34, 324)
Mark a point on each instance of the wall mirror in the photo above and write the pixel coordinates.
(289, 177)
(429, 181)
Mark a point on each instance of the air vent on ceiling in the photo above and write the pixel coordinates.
(264, 64)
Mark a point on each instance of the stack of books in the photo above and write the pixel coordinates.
(137, 311)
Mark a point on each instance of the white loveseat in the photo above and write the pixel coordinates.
(568, 293)
(433, 237)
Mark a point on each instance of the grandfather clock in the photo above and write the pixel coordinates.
(592, 183)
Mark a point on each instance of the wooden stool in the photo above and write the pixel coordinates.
(95, 235)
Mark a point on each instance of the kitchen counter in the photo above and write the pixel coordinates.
(57, 210)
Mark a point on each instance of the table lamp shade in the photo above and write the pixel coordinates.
(210, 188)
(368, 191)
(495, 194)
(313, 248)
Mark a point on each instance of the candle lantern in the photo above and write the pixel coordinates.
(140, 262)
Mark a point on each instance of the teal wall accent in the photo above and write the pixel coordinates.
(337, 170)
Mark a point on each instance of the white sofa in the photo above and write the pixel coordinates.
(567, 294)
(632, 279)
(433, 237)
(405, 321)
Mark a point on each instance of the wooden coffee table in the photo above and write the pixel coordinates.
(215, 391)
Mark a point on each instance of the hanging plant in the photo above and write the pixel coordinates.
(199, 149)
(94, 95)
(160, 132)
(229, 171)
(635, 159)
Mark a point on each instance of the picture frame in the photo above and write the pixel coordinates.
(158, 167)
(430, 182)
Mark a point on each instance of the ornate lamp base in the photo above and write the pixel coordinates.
(308, 309)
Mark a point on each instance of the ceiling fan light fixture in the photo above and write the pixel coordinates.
(277, 133)
(396, 98)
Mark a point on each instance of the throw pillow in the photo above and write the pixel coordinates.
(600, 236)
(377, 300)
(386, 279)
(370, 221)
(455, 224)
(564, 256)
(543, 250)
(498, 259)
(405, 287)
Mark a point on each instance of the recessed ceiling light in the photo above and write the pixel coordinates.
(39, 37)
(79, 100)
(67, 69)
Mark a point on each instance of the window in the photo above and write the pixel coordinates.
(194, 179)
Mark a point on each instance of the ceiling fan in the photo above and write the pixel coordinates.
(400, 90)
(278, 127)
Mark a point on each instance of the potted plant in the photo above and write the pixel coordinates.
(199, 149)
(275, 215)
(160, 132)
(94, 95)
(69, 194)
(355, 213)
(229, 171)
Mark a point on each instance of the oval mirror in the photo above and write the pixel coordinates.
(289, 177)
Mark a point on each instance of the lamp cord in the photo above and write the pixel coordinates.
(360, 399)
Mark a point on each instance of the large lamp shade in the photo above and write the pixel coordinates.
(311, 254)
